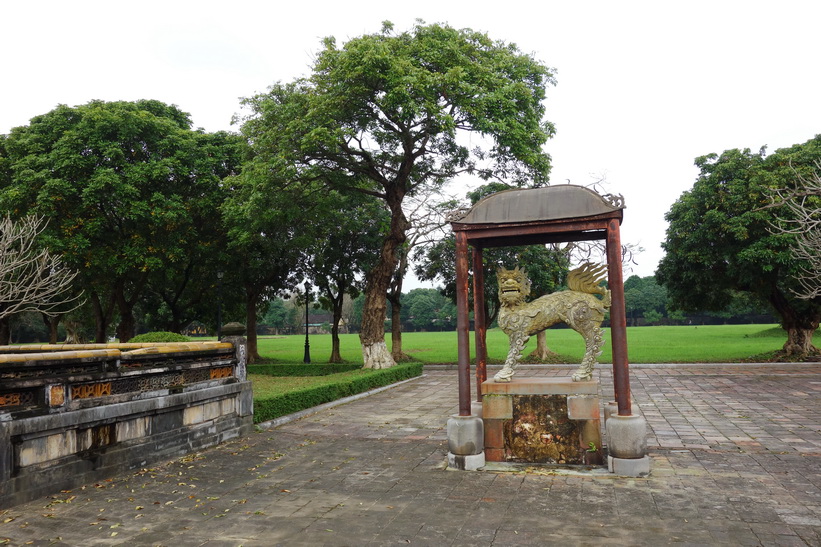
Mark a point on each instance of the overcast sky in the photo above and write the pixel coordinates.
(643, 87)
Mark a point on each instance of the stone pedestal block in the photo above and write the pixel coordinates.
(542, 420)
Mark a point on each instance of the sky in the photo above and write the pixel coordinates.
(643, 87)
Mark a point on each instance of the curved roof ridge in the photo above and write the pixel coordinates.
(539, 204)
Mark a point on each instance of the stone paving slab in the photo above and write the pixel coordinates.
(736, 460)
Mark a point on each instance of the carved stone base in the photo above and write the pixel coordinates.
(542, 420)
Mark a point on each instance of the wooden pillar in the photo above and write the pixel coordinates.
(479, 321)
(618, 319)
(462, 323)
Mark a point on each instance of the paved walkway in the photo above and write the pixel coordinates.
(736, 460)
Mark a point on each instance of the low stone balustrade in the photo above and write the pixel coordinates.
(79, 413)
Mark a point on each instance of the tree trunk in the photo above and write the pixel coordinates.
(51, 323)
(396, 331)
(101, 317)
(5, 331)
(251, 326)
(542, 353)
(336, 357)
(395, 298)
(73, 335)
(799, 342)
(127, 327)
(799, 325)
(375, 352)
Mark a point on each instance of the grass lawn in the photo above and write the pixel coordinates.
(680, 344)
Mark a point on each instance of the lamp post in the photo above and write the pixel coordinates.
(307, 358)
(219, 304)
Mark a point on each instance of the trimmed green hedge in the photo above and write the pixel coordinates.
(294, 401)
(299, 369)
(159, 336)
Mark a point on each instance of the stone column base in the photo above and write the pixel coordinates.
(633, 467)
(466, 441)
(466, 463)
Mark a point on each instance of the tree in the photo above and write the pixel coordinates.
(123, 184)
(347, 230)
(280, 315)
(384, 114)
(643, 297)
(719, 240)
(266, 244)
(186, 287)
(425, 219)
(428, 309)
(32, 278)
(803, 220)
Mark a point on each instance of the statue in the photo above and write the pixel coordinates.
(578, 307)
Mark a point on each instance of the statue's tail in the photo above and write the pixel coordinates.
(587, 278)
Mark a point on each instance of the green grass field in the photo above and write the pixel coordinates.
(680, 344)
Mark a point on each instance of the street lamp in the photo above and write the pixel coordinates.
(219, 304)
(307, 358)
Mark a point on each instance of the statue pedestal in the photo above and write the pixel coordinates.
(542, 420)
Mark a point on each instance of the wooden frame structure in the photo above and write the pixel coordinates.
(533, 216)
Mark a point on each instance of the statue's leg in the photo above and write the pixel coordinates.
(517, 343)
(593, 342)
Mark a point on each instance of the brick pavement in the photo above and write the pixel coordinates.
(736, 460)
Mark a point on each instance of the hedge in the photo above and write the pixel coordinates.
(159, 336)
(299, 369)
(294, 401)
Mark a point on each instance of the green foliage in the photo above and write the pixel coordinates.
(427, 309)
(130, 192)
(268, 405)
(279, 314)
(348, 230)
(159, 337)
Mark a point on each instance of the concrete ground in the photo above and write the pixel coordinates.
(735, 449)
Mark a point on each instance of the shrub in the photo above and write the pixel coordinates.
(269, 408)
(160, 336)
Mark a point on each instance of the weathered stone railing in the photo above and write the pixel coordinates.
(73, 414)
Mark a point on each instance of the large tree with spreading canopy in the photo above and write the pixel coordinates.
(720, 239)
(388, 114)
(129, 188)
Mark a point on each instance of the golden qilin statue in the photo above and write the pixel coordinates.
(578, 307)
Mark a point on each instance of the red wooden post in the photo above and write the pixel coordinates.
(479, 320)
(618, 319)
(462, 323)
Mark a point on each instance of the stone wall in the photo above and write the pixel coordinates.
(71, 415)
